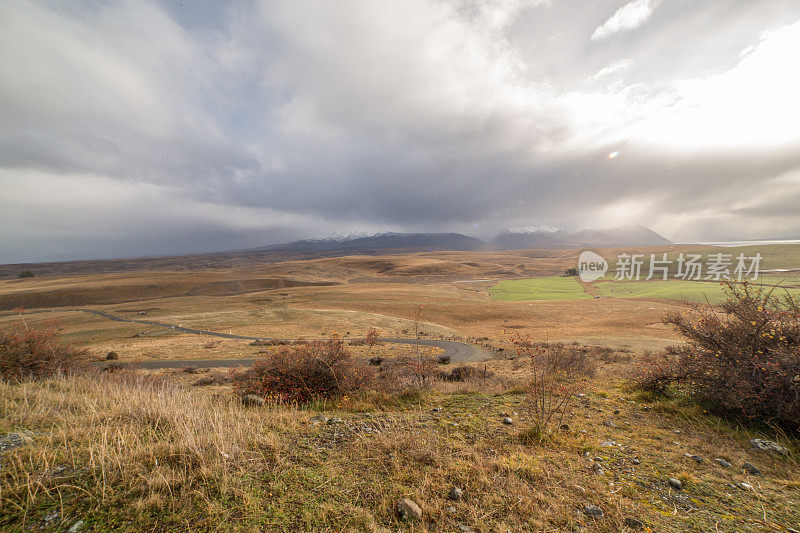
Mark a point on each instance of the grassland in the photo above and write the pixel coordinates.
(149, 450)
(545, 288)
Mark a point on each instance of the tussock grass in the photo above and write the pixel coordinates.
(131, 442)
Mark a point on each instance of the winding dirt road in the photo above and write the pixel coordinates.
(459, 352)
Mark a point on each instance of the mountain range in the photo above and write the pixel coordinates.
(510, 239)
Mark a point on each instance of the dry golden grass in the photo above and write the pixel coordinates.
(143, 452)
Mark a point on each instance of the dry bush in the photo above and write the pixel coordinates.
(36, 353)
(558, 373)
(303, 373)
(744, 362)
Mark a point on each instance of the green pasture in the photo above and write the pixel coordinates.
(547, 288)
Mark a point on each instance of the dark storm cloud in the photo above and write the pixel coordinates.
(129, 128)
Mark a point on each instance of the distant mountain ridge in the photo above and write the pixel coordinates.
(511, 239)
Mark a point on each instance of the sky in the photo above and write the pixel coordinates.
(132, 128)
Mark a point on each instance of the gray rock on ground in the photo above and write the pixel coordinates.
(634, 523)
(768, 446)
(409, 510)
(675, 483)
(507, 420)
(750, 468)
(253, 400)
(455, 494)
(593, 511)
(722, 462)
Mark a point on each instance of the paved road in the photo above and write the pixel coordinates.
(458, 351)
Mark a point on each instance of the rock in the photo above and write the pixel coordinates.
(579, 489)
(609, 423)
(597, 469)
(768, 446)
(335, 421)
(745, 486)
(634, 523)
(436, 410)
(695, 458)
(593, 511)
(408, 510)
(77, 526)
(253, 400)
(636, 461)
(616, 411)
(12, 440)
(465, 529)
(319, 419)
(52, 517)
(722, 462)
(455, 494)
(608, 444)
(675, 483)
(507, 420)
(750, 468)
(450, 510)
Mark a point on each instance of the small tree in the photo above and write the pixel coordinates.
(558, 373)
(571, 272)
(26, 274)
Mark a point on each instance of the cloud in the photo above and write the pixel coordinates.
(142, 127)
(628, 17)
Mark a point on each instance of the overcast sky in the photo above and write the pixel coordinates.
(135, 127)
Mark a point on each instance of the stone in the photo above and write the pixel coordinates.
(597, 469)
(579, 489)
(675, 483)
(768, 446)
(593, 511)
(408, 510)
(695, 458)
(77, 526)
(750, 468)
(455, 494)
(608, 444)
(335, 421)
(253, 400)
(319, 419)
(450, 510)
(616, 411)
(507, 420)
(722, 462)
(436, 410)
(609, 423)
(744, 486)
(465, 529)
(634, 523)
(636, 461)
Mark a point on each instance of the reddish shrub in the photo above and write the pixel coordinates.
(302, 373)
(744, 361)
(36, 353)
(558, 373)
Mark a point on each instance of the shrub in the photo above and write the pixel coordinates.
(744, 362)
(558, 373)
(36, 353)
(26, 274)
(303, 373)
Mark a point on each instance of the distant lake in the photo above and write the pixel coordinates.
(749, 243)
